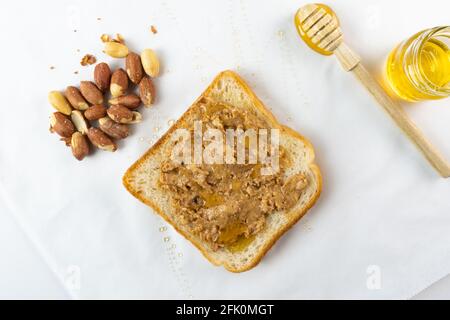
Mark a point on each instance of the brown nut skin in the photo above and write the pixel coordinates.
(61, 124)
(75, 98)
(134, 68)
(79, 146)
(99, 139)
(102, 76)
(147, 91)
(130, 101)
(113, 129)
(95, 112)
(119, 83)
(120, 114)
(91, 93)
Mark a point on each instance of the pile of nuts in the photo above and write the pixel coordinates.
(81, 112)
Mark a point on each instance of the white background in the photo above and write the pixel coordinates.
(69, 229)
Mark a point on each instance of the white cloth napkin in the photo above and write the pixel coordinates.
(380, 228)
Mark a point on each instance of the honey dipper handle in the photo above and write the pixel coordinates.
(351, 62)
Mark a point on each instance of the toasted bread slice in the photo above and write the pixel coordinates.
(141, 179)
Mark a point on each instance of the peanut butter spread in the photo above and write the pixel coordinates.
(227, 204)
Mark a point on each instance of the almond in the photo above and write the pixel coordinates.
(95, 112)
(79, 146)
(61, 124)
(59, 102)
(101, 140)
(102, 76)
(113, 129)
(147, 91)
(120, 114)
(79, 121)
(75, 98)
(91, 93)
(119, 83)
(150, 62)
(116, 49)
(130, 101)
(133, 66)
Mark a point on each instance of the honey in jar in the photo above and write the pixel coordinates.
(419, 67)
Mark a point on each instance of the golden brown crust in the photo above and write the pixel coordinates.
(275, 236)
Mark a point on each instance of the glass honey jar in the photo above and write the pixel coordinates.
(419, 67)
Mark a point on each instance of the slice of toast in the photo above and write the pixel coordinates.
(141, 179)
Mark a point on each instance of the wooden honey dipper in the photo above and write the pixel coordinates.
(319, 27)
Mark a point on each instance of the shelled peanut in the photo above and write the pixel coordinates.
(98, 112)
